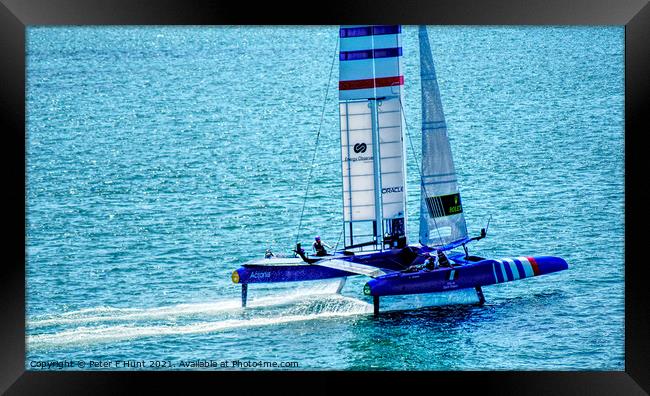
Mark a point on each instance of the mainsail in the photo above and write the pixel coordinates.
(372, 144)
(441, 211)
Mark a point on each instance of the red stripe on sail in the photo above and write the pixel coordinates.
(371, 83)
(533, 264)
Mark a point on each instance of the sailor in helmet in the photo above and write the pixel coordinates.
(430, 262)
(443, 261)
(319, 247)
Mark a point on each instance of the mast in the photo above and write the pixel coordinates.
(372, 141)
(441, 212)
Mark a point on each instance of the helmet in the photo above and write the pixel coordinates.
(317, 238)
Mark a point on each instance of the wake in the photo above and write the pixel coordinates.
(107, 324)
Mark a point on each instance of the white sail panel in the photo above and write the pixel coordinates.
(357, 161)
(392, 154)
(441, 212)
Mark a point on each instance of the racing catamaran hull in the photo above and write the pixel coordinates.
(482, 273)
(458, 284)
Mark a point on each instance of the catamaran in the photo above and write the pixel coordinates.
(373, 153)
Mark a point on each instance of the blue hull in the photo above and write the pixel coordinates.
(287, 273)
(465, 274)
(396, 259)
(481, 273)
(464, 278)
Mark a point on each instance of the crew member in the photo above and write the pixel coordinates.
(443, 261)
(319, 247)
(430, 263)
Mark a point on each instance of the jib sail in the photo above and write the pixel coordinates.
(441, 210)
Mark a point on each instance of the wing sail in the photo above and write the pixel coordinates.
(372, 144)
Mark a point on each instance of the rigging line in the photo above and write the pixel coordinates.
(338, 240)
(311, 166)
(418, 163)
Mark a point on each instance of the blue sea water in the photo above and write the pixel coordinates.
(159, 159)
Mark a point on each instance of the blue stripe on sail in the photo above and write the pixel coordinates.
(508, 271)
(355, 32)
(386, 29)
(387, 52)
(369, 30)
(369, 54)
(520, 268)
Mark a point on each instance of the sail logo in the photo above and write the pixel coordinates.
(444, 205)
(455, 208)
(359, 158)
(360, 148)
(259, 275)
(389, 190)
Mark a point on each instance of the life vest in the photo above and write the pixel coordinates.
(320, 249)
(443, 261)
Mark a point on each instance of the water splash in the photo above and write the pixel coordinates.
(214, 308)
(86, 335)
(106, 324)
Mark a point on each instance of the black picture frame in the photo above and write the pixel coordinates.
(16, 15)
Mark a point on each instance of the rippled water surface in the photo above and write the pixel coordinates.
(161, 158)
